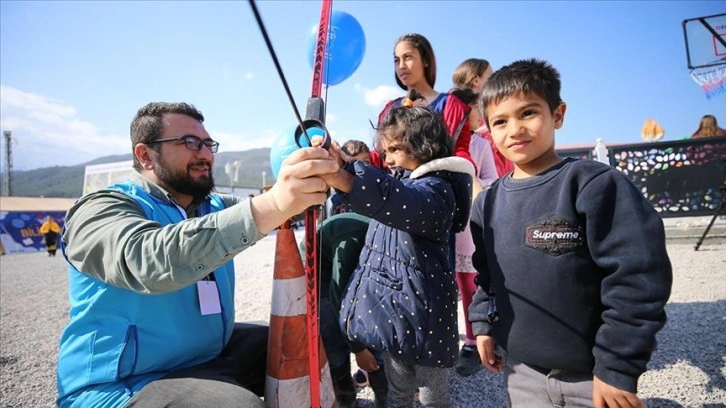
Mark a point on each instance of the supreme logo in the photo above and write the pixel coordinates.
(554, 235)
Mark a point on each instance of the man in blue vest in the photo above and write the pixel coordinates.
(151, 276)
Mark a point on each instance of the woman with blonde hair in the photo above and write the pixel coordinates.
(708, 127)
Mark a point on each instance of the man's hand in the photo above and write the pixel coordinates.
(366, 361)
(299, 185)
(486, 345)
(340, 180)
(606, 396)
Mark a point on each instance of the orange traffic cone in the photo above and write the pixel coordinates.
(288, 369)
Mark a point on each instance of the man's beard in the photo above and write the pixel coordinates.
(182, 183)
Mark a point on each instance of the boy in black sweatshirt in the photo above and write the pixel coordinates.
(573, 270)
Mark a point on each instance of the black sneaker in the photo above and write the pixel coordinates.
(468, 362)
(360, 378)
(343, 386)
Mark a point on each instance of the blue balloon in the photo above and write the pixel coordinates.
(284, 145)
(344, 49)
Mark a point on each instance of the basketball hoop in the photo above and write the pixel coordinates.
(711, 79)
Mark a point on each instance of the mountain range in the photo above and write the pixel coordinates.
(67, 181)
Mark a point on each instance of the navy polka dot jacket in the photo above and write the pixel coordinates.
(402, 296)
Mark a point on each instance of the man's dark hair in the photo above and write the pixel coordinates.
(148, 125)
(522, 77)
(420, 130)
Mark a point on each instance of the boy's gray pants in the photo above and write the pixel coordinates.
(529, 386)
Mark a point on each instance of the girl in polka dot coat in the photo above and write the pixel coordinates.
(402, 297)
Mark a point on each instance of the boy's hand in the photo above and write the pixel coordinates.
(486, 345)
(605, 395)
(366, 361)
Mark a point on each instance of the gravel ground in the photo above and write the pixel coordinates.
(688, 369)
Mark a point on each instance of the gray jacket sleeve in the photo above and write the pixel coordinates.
(108, 237)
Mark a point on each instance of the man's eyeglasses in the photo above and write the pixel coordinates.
(191, 142)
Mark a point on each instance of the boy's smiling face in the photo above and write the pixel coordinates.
(523, 129)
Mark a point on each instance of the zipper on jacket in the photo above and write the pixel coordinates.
(130, 338)
(224, 325)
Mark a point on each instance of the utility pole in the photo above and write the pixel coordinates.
(237, 164)
(232, 170)
(7, 187)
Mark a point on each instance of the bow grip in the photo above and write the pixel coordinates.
(314, 117)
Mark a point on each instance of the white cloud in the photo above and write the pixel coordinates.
(232, 75)
(48, 132)
(227, 73)
(379, 95)
(234, 142)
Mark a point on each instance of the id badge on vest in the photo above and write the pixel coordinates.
(208, 297)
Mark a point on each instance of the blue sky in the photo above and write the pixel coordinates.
(73, 74)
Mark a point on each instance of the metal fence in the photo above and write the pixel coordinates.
(680, 178)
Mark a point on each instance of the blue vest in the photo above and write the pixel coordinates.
(118, 340)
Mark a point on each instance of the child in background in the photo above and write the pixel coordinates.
(708, 127)
(573, 269)
(469, 79)
(473, 74)
(468, 362)
(341, 239)
(356, 150)
(402, 296)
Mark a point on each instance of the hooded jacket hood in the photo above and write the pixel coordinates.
(460, 173)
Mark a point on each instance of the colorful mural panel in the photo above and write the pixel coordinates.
(19, 230)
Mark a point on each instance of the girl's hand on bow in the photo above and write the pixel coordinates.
(336, 153)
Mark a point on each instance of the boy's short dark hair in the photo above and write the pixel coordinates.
(525, 77)
(420, 129)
